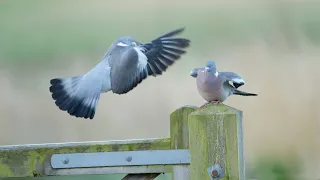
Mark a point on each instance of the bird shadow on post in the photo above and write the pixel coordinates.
(216, 143)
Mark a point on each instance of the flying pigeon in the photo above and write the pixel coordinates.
(125, 65)
(214, 86)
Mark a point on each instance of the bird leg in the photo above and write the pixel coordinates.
(216, 102)
(203, 105)
(213, 102)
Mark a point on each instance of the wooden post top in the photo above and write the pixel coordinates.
(216, 109)
(216, 139)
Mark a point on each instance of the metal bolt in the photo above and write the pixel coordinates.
(128, 159)
(215, 172)
(66, 161)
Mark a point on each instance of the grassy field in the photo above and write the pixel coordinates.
(274, 45)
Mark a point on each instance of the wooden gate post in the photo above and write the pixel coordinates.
(216, 140)
(179, 134)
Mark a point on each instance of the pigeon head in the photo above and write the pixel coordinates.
(127, 41)
(210, 67)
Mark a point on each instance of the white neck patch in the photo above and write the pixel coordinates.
(216, 74)
(121, 44)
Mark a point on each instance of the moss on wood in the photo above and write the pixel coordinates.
(29, 160)
(215, 137)
(179, 131)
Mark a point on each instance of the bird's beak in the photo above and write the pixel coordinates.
(206, 69)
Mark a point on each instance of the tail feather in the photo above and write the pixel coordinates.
(69, 97)
(242, 93)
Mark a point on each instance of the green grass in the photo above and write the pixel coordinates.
(274, 167)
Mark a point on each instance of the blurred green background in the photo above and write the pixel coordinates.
(273, 45)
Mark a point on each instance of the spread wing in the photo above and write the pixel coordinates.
(163, 52)
(236, 80)
(194, 72)
(134, 64)
(128, 69)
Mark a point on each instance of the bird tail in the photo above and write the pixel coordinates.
(70, 95)
(242, 93)
(79, 95)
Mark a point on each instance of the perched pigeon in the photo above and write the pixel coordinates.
(214, 86)
(125, 64)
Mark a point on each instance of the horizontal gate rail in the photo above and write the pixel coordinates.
(32, 160)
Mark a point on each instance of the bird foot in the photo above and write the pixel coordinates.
(203, 105)
(213, 102)
(216, 102)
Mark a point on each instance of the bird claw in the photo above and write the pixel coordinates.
(216, 102)
(203, 105)
(213, 102)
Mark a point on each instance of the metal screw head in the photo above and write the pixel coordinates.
(128, 159)
(215, 172)
(66, 161)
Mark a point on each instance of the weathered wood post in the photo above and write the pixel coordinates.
(179, 134)
(216, 140)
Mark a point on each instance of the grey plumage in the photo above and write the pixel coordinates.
(125, 65)
(236, 80)
(194, 72)
(214, 86)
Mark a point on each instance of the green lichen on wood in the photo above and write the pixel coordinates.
(6, 171)
(215, 137)
(179, 131)
(29, 161)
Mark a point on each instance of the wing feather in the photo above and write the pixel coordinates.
(164, 51)
(236, 80)
(194, 72)
(127, 71)
(131, 65)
